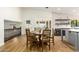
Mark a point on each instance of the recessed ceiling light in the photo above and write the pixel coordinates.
(58, 9)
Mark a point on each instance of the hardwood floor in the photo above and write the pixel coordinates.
(18, 44)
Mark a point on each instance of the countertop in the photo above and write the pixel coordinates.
(74, 30)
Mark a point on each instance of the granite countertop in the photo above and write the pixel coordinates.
(63, 27)
(74, 30)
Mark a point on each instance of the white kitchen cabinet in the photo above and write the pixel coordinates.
(73, 38)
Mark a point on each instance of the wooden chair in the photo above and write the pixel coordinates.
(46, 38)
(52, 37)
(31, 40)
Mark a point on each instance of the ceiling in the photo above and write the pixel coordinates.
(64, 10)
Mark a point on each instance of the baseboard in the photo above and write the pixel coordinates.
(1, 44)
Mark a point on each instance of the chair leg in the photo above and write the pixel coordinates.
(49, 45)
(53, 40)
(27, 44)
(42, 46)
(30, 47)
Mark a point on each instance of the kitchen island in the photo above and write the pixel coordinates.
(73, 38)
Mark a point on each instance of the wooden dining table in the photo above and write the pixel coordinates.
(38, 37)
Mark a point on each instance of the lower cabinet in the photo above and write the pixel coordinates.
(10, 33)
(73, 38)
(77, 42)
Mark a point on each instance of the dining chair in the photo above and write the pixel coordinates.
(31, 39)
(46, 38)
(52, 37)
(28, 37)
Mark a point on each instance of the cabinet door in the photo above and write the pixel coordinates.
(75, 39)
(77, 42)
(67, 35)
(72, 38)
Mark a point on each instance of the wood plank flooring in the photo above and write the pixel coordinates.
(18, 44)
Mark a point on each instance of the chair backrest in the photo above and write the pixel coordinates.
(46, 33)
(29, 38)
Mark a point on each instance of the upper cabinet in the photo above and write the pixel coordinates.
(62, 22)
(11, 24)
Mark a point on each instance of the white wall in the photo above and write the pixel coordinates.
(1, 28)
(11, 13)
(1, 31)
(33, 15)
(38, 14)
(8, 13)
